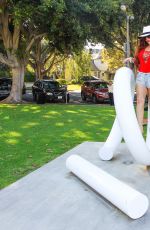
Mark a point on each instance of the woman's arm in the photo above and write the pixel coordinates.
(129, 59)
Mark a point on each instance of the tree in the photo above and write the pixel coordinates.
(141, 12)
(113, 57)
(66, 37)
(83, 62)
(77, 65)
(21, 24)
(67, 24)
(43, 57)
(15, 23)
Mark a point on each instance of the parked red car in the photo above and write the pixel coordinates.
(95, 90)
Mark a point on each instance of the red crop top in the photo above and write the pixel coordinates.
(144, 61)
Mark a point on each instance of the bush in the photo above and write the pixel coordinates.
(62, 81)
(4, 73)
(29, 77)
(77, 81)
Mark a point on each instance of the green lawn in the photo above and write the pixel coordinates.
(74, 87)
(31, 135)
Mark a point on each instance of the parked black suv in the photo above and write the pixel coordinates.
(49, 90)
(5, 87)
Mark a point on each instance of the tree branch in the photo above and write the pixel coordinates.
(32, 64)
(6, 35)
(49, 56)
(52, 63)
(32, 56)
(16, 37)
(60, 60)
(5, 60)
(2, 3)
(33, 40)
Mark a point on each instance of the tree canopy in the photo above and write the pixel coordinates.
(66, 24)
(22, 23)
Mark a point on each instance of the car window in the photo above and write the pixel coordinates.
(36, 83)
(5, 83)
(39, 84)
(50, 84)
(101, 85)
(86, 83)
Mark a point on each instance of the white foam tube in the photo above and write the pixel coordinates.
(127, 125)
(127, 199)
(109, 148)
(126, 116)
(107, 151)
(148, 128)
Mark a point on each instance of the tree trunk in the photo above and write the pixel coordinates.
(36, 74)
(38, 71)
(17, 85)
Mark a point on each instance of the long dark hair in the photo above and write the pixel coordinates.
(142, 44)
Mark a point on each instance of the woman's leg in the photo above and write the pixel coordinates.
(141, 92)
(148, 96)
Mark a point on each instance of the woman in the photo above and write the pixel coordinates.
(142, 61)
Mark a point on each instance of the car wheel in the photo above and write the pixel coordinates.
(83, 96)
(40, 98)
(94, 99)
(34, 97)
(68, 98)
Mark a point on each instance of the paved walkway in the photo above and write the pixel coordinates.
(52, 198)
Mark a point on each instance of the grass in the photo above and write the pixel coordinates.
(32, 135)
(74, 87)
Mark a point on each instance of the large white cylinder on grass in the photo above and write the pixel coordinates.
(127, 199)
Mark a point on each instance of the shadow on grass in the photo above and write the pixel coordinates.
(32, 135)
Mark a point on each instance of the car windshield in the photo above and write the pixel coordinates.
(102, 85)
(5, 83)
(50, 84)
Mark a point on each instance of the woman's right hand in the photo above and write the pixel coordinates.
(129, 59)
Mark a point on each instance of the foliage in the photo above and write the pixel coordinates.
(83, 62)
(74, 87)
(29, 77)
(113, 57)
(69, 23)
(76, 66)
(62, 81)
(141, 14)
(4, 71)
(111, 23)
(66, 24)
(43, 57)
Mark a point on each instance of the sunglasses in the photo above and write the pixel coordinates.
(148, 36)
